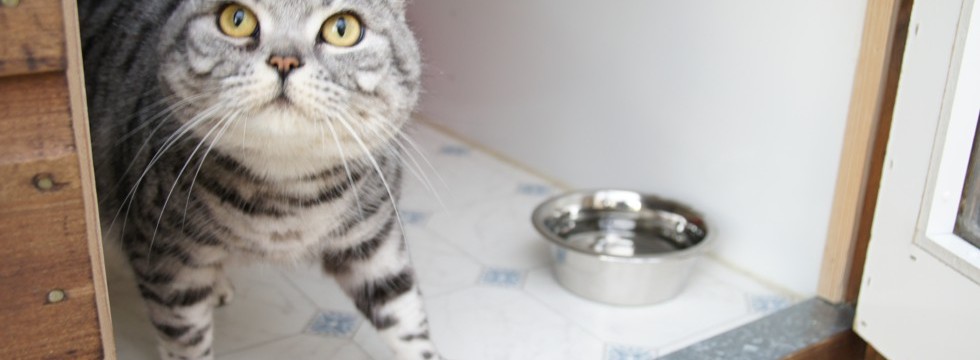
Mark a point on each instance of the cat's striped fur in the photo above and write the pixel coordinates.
(200, 159)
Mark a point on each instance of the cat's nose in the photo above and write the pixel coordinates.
(284, 64)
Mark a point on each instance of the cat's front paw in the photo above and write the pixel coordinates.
(224, 292)
(168, 354)
(421, 351)
(424, 355)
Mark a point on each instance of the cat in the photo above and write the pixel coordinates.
(260, 129)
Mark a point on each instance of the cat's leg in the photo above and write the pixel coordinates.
(224, 291)
(180, 291)
(378, 276)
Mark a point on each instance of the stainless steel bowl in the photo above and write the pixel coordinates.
(621, 247)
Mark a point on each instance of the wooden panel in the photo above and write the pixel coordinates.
(855, 159)
(32, 34)
(34, 118)
(45, 248)
(844, 346)
(872, 354)
(53, 298)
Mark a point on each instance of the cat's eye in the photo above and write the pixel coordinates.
(237, 21)
(343, 30)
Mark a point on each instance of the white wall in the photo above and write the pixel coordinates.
(734, 107)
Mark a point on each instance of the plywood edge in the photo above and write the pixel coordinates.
(865, 106)
(79, 114)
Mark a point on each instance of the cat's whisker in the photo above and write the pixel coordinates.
(403, 135)
(397, 136)
(425, 159)
(350, 177)
(167, 144)
(420, 174)
(162, 114)
(244, 135)
(228, 120)
(417, 171)
(170, 193)
(162, 117)
(413, 166)
(377, 168)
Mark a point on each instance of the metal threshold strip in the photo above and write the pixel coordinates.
(775, 336)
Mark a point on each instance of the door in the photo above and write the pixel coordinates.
(920, 293)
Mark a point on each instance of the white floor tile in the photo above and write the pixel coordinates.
(265, 308)
(441, 267)
(705, 303)
(319, 288)
(369, 340)
(300, 347)
(497, 231)
(497, 324)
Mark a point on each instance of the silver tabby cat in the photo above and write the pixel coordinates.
(265, 129)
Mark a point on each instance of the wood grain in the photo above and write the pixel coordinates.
(853, 171)
(32, 37)
(34, 120)
(44, 248)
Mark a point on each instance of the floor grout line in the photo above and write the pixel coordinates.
(560, 315)
(758, 279)
(296, 287)
(517, 165)
(258, 345)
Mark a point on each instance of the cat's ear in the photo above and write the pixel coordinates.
(400, 8)
(399, 5)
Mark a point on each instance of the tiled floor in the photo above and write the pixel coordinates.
(483, 271)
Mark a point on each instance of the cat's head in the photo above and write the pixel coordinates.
(292, 76)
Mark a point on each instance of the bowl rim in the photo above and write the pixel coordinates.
(538, 216)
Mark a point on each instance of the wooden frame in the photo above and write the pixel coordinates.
(53, 292)
(859, 173)
(869, 122)
(75, 75)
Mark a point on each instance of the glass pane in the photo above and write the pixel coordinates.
(968, 219)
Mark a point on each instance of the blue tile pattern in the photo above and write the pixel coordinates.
(561, 255)
(455, 150)
(508, 278)
(534, 189)
(411, 217)
(767, 304)
(335, 324)
(620, 352)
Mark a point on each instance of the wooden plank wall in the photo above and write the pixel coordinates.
(53, 302)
